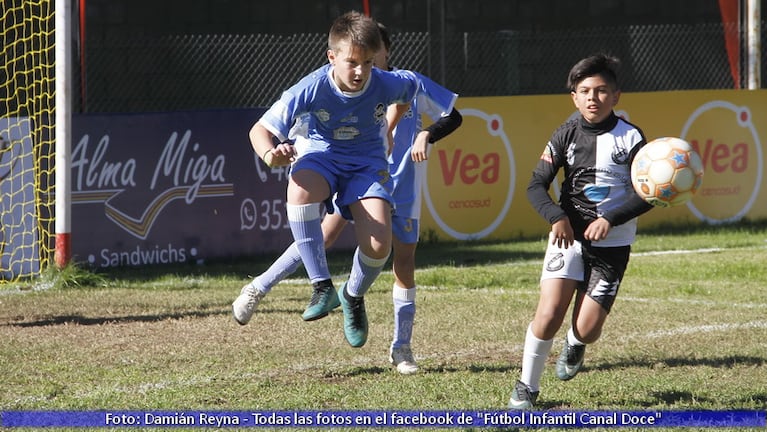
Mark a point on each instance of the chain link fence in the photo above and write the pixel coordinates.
(239, 71)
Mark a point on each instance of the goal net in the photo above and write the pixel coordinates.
(26, 138)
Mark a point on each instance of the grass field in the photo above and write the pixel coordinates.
(688, 332)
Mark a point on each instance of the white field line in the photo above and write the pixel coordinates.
(368, 360)
(302, 280)
(687, 330)
(694, 302)
(680, 251)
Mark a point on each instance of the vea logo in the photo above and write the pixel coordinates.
(475, 183)
(724, 136)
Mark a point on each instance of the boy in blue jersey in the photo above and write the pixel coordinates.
(592, 227)
(410, 146)
(346, 102)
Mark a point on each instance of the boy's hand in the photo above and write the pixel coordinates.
(562, 233)
(420, 150)
(281, 155)
(597, 230)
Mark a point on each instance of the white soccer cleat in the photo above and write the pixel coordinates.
(246, 303)
(402, 358)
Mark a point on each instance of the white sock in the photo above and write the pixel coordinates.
(364, 272)
(404, 314)
(534, 359)
(571, 339)
(306, 226)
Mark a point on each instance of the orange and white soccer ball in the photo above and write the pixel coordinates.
(667, 172)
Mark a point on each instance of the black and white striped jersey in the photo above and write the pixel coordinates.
(596, 159)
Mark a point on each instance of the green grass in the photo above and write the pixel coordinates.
(687, 332)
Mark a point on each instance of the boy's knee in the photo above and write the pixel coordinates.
(376, 258)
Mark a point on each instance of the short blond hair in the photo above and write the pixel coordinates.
(360, 30)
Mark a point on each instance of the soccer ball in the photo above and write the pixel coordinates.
(667, 172)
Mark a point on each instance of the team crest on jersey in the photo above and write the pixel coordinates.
(620, 153)
(323, 115)
(380, 113)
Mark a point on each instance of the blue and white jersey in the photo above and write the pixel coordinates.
(346, 125)
(435, 101)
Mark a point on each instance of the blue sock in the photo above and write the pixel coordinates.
(404, 315)
(305, 223)
(364, 272)
(284, 266)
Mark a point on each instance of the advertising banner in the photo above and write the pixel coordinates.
(185, 187)
(173, 188)
(477, 177)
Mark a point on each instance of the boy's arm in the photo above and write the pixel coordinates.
(261, 140)
(444, 126)
(435, 132)
(394, 114)
(538, 195)
(634, 206)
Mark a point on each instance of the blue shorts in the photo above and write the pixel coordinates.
(349, 181)
(405, 229)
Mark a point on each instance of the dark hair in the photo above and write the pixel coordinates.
(358, 29)
(597, 64)
(385, 38)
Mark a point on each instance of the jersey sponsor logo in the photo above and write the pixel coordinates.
(346, 133)
(351, 118)
(596, 193)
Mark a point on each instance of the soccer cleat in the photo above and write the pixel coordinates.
(324, 299)
(246, 303)
(570, 361)
(355, 318)
(402, 358)
(522, 398)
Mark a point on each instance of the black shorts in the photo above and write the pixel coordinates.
(603, 272)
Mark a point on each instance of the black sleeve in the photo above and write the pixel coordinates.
(635, 206)
(444, 126)
(545, 172)
(538, 194)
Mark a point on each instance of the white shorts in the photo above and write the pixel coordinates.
(561, 263)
